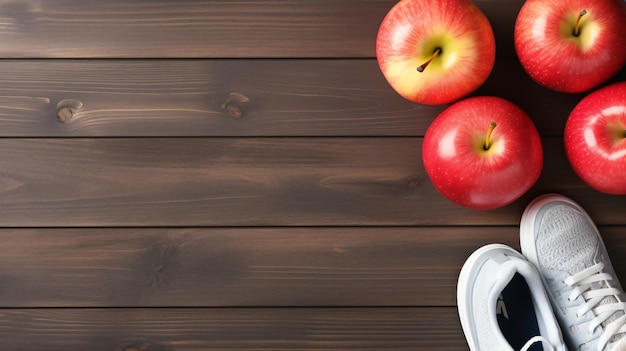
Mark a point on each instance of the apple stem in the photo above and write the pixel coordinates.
(580, 15)
(421, 68)
(492, 126)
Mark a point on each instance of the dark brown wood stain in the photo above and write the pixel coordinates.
(237, 175)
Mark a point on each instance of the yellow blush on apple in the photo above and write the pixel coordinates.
(435, 52)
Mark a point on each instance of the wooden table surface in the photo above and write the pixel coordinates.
(237, 175)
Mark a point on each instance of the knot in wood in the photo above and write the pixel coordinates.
(66, 109)
(232, 106)
(233, 110)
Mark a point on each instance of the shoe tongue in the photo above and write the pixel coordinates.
(618, 341)
(618, 345)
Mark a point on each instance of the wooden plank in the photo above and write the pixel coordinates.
(285, 98)
(232, 329)
(249, 182)
(188, 98)
(148, 29)
(255, 267)
(237, 267)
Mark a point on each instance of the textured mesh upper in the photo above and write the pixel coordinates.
(568, 242)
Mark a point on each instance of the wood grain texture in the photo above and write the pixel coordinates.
(129, 267)
(237, 175)
(232, 329)
(217, 29)
(250, 182)
(193, 98)
(203, 98)
(286, 267)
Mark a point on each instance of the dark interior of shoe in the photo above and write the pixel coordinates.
(516, 314)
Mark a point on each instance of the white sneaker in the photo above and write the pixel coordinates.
(558, 236)
(503, 305)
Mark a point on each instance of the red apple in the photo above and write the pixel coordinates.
(435, 52)
(571, 45)
(595, 139)
(477, 165)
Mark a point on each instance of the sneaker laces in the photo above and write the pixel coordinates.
(544, 341)
(583, 284)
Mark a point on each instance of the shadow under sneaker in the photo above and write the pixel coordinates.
(560, 238)
(503, 305)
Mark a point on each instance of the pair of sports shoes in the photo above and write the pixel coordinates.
(560, 293)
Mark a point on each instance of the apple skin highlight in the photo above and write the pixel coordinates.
(467, 173)
(558, 59)
(411, 33)
(595, 139)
